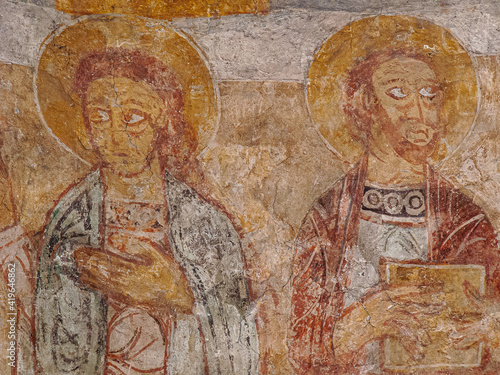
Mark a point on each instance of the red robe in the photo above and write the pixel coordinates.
(459, 233)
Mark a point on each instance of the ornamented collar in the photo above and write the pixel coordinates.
(398, 203)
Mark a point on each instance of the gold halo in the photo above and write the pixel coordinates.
(351, 45)
(60, 106)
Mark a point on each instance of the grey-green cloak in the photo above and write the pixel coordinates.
(71, 318)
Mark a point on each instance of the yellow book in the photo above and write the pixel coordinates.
(449, 280)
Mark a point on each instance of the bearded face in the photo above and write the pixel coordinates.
(406, 104)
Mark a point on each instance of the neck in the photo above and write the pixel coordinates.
(145, 186)
(386, 167)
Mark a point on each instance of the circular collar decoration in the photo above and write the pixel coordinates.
(357, 41)
(60, 105)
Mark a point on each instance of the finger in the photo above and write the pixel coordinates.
(422, 311)
(114, 271)
(82, 255)
(416, 289)
(414, 323)
(470, 334)
(150, 249)
(90, 279)
(129, 260)
(112, 282)
(126, 254)
(473, 296)
(465, 339)
(406, 337)
(417, 294)
(411, 324)
(96, 280)
(136, 248)
(90, 271)
(89, 255)
(120, 240)
(104, 267)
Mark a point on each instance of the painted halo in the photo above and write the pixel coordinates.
(59, 104)
(353, 43)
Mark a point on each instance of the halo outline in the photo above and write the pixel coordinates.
(473, 60)
(167, 25)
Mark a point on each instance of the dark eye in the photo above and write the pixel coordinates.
(396, 93)
(428, 92)
(98, 115)
(134, 118)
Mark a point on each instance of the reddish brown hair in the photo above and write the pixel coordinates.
(176, 147)
(358, 88)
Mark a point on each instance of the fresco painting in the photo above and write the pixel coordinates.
(164, 9)
(177, 199)
(168, 251)
(17, 285)
(393, 206)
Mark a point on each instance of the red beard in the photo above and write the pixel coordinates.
(407, 150)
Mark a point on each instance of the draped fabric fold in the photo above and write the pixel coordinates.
(459, 233)
(71, 319)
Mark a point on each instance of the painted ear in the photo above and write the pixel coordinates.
(361, 106)
(368, 99)
(84, 137)
(362, 103)
(165, 122)
(82, 131)
(370, 102)
(170, 127)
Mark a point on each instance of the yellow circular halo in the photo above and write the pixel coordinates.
(355, 42)
(60, 105)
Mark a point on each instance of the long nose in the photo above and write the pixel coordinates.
(117, 130)
(415, 110)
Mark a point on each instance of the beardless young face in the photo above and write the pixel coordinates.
(407, 100)
(122, 117)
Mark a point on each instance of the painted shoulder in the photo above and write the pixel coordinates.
(76, 205)
(182, 198)
(326, 206)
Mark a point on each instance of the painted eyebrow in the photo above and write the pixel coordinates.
(97, 101)
(97, 107)
(138, 103)
(131, 100)
(418, 82)
(429, 81)
(395, 80)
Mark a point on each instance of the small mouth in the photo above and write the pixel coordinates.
(420, 137)
(121, 154)
(421, 141)
(420, 131)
